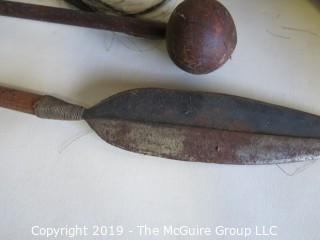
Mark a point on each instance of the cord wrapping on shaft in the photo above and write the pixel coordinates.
(53, 108)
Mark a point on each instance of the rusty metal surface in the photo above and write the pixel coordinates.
(206, 110)
(128, 25)
(204, 145)
(205, 127)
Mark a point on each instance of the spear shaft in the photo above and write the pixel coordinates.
(18, 100)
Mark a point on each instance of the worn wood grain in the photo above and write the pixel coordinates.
(18, 100)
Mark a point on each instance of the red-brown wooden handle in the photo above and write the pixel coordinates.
(132, 26)
(18, 100)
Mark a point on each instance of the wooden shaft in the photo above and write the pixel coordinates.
(18, 100)
(128, 25)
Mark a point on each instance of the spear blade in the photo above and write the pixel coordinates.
(196, 144)
(205, 127)
(206, 110)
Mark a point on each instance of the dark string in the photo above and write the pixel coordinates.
(85, 7)
(80, 5)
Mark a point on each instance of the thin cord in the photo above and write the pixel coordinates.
(80, 5)
(86, 7)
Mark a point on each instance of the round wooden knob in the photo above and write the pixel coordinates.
(201, 36)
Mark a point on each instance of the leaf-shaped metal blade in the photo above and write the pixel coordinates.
(207, 110)
(205, 127)
(204, 145)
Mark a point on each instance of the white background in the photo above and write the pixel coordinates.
(60, 173)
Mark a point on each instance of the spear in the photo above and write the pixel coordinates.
(189, 126)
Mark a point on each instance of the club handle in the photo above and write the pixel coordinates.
(18, 100)
(129, 25)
